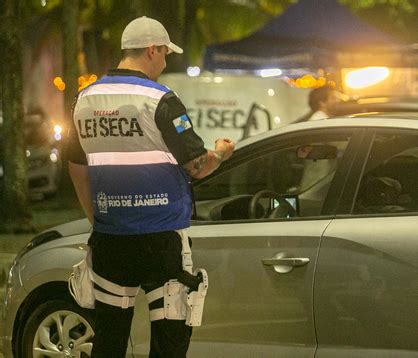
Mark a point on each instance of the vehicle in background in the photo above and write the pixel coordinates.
(43, 151)
(308, 234)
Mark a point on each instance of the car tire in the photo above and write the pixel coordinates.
(56, 326)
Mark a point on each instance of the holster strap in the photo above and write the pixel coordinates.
(113, 287)
(156, 314)
(155, 294)
(123, 302)
(186, 252)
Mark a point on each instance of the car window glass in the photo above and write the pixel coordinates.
(296, 178)
(390, 180)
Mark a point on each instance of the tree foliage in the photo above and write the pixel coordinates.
(14, 207)
(194, 24)
(70, 15)
(395, 17)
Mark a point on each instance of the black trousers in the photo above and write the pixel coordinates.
(148, 261)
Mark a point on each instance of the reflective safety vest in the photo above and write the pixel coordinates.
(137, 185)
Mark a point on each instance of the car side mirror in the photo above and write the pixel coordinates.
(317, 152)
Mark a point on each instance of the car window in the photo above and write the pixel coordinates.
(390, 180)
(281, 184)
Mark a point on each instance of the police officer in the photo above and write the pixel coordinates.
(132, 152)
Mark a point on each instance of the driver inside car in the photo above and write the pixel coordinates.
(380, 194)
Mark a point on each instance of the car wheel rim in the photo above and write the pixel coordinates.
(63, 334)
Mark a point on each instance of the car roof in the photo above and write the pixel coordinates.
(397, 115)
(378, 104)
(381, 120)
(396, 100)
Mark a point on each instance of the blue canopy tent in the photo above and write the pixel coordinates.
(312, 34)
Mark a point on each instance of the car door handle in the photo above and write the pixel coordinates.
(283, 262)
(286, 261)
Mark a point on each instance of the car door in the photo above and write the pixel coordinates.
(366, 283)
(261, 270)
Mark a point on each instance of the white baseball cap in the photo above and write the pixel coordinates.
(144, 32)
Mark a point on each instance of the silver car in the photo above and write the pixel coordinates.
(310, 238)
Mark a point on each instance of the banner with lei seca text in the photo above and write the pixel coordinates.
(220, 106)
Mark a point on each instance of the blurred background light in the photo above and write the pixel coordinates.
(53, 157)
(86, 80)
(309, 81)
(57, 81)
(270, 72)
(57, 129)
(366, 77)
(57, 132)
(193, 71)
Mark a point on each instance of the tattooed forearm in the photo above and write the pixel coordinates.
(199, 162)
(204, 164)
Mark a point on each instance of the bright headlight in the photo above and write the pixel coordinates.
(57, 129)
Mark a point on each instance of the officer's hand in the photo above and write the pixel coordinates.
(226, 146)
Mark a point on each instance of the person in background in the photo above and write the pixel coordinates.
(322, 102)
